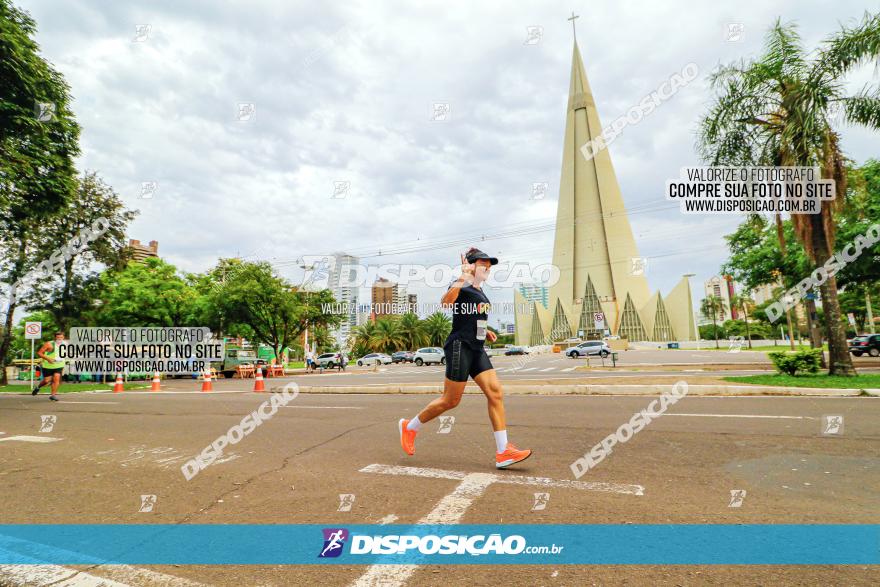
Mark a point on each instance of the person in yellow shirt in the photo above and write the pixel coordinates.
(52, 365)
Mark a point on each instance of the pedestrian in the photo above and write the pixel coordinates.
(52, 365)
(465, 357)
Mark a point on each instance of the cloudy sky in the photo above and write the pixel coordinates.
(345, 92)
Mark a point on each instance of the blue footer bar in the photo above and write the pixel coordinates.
(518, 544)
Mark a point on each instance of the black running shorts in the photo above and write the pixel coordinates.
(48, 372)
(462, 361)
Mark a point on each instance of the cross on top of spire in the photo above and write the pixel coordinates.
(573, 16)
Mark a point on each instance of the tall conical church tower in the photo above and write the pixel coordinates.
(594, 249)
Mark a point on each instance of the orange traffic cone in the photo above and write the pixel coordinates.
(117, 387)
(156, 382)
(206, 382)
(258, 381)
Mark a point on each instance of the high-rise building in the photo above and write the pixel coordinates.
(140, 252)
(722, 287)
(385, 296)
(600, 271)
(341, 286)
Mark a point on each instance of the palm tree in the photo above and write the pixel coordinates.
(778, 109)
(412, 330)
(437, 328)
(362, 337)
(387, 336)
(744, 302)
(712, 306)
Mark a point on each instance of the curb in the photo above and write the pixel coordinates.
(635, 390)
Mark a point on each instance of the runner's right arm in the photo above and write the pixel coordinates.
(467, 277)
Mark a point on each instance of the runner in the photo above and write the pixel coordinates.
(465, 357)
(52, 365)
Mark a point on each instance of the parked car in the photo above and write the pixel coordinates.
(374, 359)
(330, 360)
(429, 355)
(591, 347)
(867, 343)
(403, 357)
(515, 350)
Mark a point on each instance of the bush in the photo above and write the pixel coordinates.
(794, 362)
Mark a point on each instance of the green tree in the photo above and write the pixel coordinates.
(437, 327)
(38, 144)
(778, 108)
(362, 339)
(711, 307)
(412, 331)
(147, 293)
(387, 335)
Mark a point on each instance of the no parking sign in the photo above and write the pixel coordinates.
(33, 330)
(599, 320)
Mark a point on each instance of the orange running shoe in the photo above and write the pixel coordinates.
(407, 437)
(511, 456)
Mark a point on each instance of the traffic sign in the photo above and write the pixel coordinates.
(33, 330)
(599, 320)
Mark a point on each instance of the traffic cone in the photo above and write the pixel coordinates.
(156, 382)
(206, 382)
(117, 387)
(258, 381)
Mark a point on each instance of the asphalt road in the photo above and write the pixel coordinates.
(111, 449)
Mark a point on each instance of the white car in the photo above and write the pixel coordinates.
(429, 355)
(591, 347)
(374, 359)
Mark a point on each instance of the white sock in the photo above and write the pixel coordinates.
(415, 424)
(500, 441)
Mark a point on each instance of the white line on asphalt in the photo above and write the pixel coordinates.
(566, 370)
(325, 407)
(451, 509)
(744, 416)
(529, 369)
(547, 369)
(389, 519)
(26, 438)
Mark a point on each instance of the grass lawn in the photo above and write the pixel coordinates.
(866, 381)
(725, 346)
(73, 387)
(296, 365)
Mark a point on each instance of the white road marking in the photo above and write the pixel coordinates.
(548, 369)
(744, 416)
(569, 369)
(325, 407)
(389, 519)
(451, 509)
(529, 369)
(26, 438)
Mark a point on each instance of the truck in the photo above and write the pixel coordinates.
(234, 357)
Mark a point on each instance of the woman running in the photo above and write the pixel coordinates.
(465, 357)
